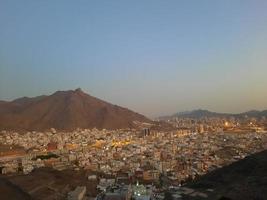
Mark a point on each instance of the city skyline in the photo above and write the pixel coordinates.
(153, 57)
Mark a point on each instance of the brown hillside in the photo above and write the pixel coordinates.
(65, 110)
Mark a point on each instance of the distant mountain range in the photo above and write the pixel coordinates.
(65, 110)
(205, 113)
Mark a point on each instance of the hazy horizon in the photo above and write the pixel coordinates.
(153, 57)
(152, 117)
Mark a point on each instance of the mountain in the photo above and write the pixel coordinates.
(200, 113)
(65, 110)
(245, 179)
(205, 113)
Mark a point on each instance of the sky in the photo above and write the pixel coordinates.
(154, 57)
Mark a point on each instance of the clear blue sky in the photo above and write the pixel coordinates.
(154, 57)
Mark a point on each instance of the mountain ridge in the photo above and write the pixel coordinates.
(198, 113)
(65, 110)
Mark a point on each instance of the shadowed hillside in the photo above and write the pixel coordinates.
(245, 179)
(9, 191)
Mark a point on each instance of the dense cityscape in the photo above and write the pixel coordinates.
(155, 160)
